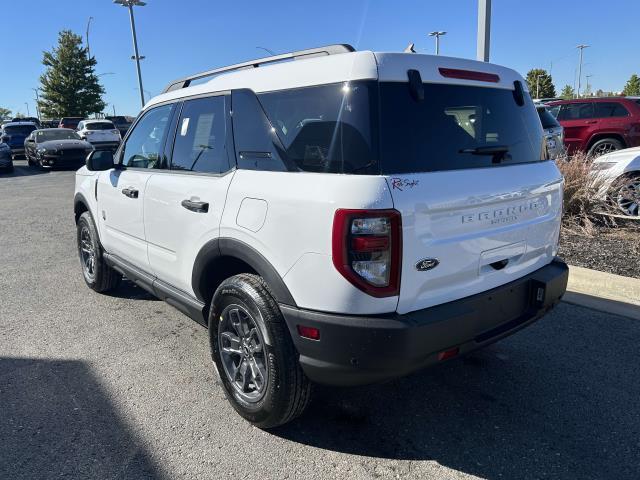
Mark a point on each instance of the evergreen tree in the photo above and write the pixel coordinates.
(633, 86)
(540, 84)
(567, 92)
(4, 113)
(70, 87)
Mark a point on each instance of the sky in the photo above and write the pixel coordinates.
(182, 37)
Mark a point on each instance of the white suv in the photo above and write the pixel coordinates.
(100, 133)
(345, 218)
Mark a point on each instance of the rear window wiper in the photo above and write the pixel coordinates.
(497, 152)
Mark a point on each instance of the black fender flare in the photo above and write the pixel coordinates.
(220, 248)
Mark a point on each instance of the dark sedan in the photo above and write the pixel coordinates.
(56, 147)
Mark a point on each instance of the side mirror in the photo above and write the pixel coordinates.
(100, 160)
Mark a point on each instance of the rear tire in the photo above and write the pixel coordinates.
(625, 195)
(604, 146)
(248, 333)
(98, 276)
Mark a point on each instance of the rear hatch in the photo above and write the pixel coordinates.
(467, 169)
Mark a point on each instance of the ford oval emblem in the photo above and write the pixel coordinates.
(427, 264)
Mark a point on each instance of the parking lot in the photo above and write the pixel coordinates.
(121, 386)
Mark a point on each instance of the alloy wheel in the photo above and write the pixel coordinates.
(242, 353)
(604, 148)
(628, 197)
(87, 253)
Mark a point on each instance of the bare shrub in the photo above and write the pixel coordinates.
(583, 206)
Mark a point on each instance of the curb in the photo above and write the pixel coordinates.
(605, 292)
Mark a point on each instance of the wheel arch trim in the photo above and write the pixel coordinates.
(220, 248)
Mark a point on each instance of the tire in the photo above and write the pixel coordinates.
(280, 391)
(604, 146)
(30, 162)
(98, 276)
(625, 195)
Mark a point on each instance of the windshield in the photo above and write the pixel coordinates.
(19, 129)
(455, 127)
(547, 120)
(100, 126)
(62, 134)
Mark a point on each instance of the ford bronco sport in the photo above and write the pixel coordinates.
(344, 218)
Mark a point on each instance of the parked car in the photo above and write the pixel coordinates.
(598, 125)
(70, 122)
(553, 132)
(6, 162)
(34, 120)
(371, 214)
(618, 175)
(56, 147)
(14, 134)
(122, 123)
(100, 133)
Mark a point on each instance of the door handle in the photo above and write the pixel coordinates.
(130, 192)
(194, 206)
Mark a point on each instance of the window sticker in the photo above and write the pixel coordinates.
(185, 126)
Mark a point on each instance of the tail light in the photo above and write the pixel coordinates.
(367, 249)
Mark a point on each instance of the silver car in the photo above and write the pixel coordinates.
(553, 132)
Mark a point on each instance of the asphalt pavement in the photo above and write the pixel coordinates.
(122, 386)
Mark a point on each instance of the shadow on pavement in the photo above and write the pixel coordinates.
(56, 421)
(128, 289)
(559, 400)
(23, 171)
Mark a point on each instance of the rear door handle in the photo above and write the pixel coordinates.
(130, 192)
(194, 206)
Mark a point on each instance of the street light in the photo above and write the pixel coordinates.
(588, 84)
(437, 35)
(88, 49)
(580, 47)
(28, 114)
(37, 102)
(538, 86)
(130, 4)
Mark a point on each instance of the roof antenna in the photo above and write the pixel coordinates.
(410, 48)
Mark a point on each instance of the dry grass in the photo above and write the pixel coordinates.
(583, 210)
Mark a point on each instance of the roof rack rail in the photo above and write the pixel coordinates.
(311, 52)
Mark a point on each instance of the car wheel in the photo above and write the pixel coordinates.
(254, 354)
(604, 146)
(626, 196)
(30, 162)
(97, 274)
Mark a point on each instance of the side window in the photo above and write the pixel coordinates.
(576, 111)
(610, 109)
(80, 126)
(146, 141)
(257, 144)
(201, 137)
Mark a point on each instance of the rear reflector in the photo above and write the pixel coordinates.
(469, 75)
(447, 354)
(309, 332)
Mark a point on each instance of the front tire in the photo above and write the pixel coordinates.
(625, 195)
(254, 354)
(98, 276)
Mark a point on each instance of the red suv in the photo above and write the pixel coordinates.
(599, 125)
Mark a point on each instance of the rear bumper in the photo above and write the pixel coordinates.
(357, 350)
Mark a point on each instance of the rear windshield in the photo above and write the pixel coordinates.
(100, 126)
(455, 127)
(547, 120)
(19, 129)
(371, 128)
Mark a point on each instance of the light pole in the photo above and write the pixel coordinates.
(437, 35)
(88, 25)
(37, 102)
(580, 47)
(268, 50)
(484, 30)
(130, 4)
(588, 84)
(28, 114)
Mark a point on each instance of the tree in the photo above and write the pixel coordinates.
(4, 113)
(540, 83)
(633, 86)
(70, 86)
(567, 92)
